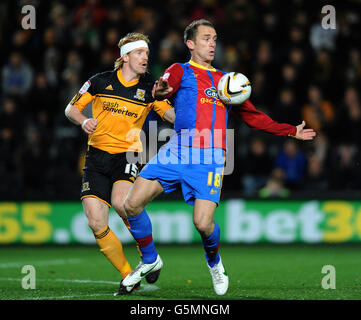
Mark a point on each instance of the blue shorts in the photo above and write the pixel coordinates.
(199, 172)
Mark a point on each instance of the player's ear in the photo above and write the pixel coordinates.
(190, 44)
(126, 58)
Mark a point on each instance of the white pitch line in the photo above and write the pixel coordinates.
(10, 279)
(39, 263)
(72, 296)
(65, 280)
(143, 288)
(87, 281)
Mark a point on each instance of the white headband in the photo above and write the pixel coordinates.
(130, 46)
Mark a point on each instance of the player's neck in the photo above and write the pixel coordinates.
(201, 62)
(127, 81)
(128, 74)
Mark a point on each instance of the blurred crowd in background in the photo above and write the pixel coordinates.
(298, 70)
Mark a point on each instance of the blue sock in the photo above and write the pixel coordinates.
(211, 245)
(141, 230)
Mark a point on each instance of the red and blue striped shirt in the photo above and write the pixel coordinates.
(201, 117)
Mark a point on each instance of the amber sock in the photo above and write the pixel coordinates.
(112, 248)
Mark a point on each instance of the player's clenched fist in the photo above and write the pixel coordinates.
(89, 125)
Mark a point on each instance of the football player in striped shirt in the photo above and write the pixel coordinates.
(195, 154)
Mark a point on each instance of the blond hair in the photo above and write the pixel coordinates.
(130, 37)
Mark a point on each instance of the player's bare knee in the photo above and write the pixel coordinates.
(202, 226)
(119, 209)
(130, 208)
(96, 225)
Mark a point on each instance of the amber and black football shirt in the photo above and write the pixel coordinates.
(120, 107)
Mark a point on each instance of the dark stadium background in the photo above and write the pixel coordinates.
(279, 45)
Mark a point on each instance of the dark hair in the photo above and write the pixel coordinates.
(190, 31)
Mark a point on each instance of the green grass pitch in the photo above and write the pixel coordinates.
(255, 272)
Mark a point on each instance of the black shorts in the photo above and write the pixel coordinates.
(103, 169)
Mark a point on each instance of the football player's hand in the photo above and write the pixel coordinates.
(89, 125)
(304, 134)
(162, 88)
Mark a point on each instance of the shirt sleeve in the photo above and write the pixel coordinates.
(174, 75)
(161, 107)
(256, 119)
(85, 95)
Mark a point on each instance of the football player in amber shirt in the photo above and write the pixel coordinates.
(122, 99)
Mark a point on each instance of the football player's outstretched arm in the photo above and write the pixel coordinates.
(256, 119)
(304, 134)
(77, 117)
